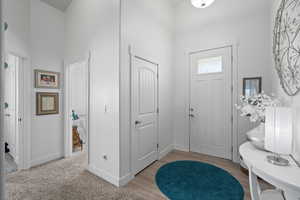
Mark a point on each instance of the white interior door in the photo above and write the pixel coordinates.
(144, 113)
(10, 103)
(211, 103)
(77, 98)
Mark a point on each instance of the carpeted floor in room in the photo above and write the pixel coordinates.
(9, 164)
(64, 179)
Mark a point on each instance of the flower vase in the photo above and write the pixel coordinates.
(257, 136)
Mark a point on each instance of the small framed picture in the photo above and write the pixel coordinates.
(252, 86)
(47, 103)
(46, 79)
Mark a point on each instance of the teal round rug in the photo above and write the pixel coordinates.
(191, 180)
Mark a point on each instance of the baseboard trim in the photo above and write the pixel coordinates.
(165, 151)
(181, 148)
(46, 159)
(126, 179)
(104, 175)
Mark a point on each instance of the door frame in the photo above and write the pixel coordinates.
(132, 57)
(22, 113)
(235, 85)
(68, 148)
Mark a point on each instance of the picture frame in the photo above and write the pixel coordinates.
(47, 79)
(47, 103)
(252, 86)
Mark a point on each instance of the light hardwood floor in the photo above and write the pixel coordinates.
(144, 183)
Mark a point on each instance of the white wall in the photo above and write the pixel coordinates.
(294, 102)
(93, 25)
(17, 41)
(36, 33)
(244, 24)
(47, 53)
(147, 26)
(16, 14)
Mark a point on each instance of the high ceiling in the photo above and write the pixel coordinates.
(59, 4)
(176, 2)
(64, 4)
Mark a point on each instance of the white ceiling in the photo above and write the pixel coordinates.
(64, 4)
(176, 2)
(59, 4)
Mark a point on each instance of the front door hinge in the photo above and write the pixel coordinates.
(231, 149)
(157, 145)
(232, 118)
(157, 110)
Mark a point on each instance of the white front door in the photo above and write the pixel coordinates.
(144, 113)
(211, 102)
(10, 102)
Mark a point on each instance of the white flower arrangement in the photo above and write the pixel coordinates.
(254, 107)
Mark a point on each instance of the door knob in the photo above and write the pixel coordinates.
(191, 115)
(137, 122)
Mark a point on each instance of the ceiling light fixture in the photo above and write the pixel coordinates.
(201, 3)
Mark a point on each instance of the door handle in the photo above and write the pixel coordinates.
(7, 115)
(137, 122)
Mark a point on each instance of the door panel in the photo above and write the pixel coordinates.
(10, 99)
(211, 103)
(147, 91)
(144, 113)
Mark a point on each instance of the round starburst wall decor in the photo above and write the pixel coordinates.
(286, 45)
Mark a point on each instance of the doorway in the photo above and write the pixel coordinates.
(77, 108)
(211, 95)
(144, 113)
(13, 111)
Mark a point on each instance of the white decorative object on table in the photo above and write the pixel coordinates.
(284, 178)
(257, 136)
(279, 134)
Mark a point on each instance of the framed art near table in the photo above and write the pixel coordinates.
(47, 103)
(252, 86)
(47, 79)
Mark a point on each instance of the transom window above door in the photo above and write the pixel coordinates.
(210, 65)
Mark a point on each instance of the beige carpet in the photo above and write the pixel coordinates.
(63, 180)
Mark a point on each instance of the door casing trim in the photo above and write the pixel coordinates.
(133, 55)
(23, 112)
(235, 84)
(67, 118)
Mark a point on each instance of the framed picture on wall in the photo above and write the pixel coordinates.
(47, 103)
(46, 79)
(252, 86)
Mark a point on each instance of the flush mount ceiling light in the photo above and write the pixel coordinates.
(201, 3)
